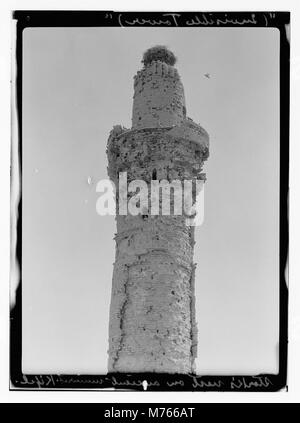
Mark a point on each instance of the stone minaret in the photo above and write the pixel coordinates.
(152, 313)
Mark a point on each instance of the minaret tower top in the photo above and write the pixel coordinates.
(158, 92)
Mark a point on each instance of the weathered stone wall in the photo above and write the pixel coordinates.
(152, 315)
(170, 151)
(158, 97)
(151, 307)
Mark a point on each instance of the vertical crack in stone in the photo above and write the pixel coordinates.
(122, 318)
(193, 320)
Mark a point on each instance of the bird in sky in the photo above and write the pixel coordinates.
(207, 75)
(89, 180)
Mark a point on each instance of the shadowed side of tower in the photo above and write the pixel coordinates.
(152, 324)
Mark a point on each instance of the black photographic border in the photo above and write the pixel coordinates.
(159, 382)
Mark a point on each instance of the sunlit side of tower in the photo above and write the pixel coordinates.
(152, 324)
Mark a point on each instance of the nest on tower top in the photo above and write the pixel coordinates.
(160, 53)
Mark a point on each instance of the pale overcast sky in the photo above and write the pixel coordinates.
(77, 84)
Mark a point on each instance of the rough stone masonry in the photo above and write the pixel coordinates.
(152, 324)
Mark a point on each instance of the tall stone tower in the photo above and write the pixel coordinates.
(152, 313)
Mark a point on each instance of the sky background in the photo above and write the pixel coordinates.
(77, 84)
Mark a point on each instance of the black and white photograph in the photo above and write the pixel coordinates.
(149, 214)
